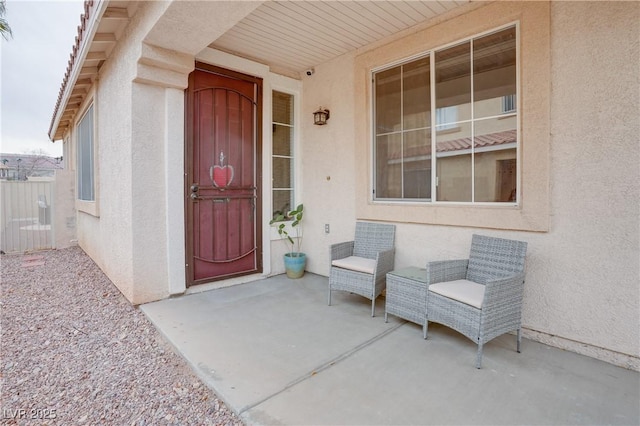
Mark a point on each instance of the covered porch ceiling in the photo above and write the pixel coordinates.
(288, 36)
(294, 36)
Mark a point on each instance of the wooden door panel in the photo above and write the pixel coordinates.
(223, 148)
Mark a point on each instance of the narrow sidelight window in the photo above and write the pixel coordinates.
(283, 155)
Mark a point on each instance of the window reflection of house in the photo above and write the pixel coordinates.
(494, 163)
(508, 103)
(446, 117)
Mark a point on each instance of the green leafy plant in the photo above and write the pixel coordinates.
(295, 217)
(5, 29)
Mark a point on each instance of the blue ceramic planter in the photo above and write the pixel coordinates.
(294, 265)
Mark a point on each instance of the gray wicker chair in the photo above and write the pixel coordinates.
(480, 297)
(360, 266)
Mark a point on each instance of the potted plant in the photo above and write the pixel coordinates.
(294, 261)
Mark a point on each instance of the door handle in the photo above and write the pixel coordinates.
(194, 192)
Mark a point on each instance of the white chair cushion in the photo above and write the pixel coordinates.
(464, 291)
(355, 263)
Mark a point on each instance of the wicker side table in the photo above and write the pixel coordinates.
(407, 294)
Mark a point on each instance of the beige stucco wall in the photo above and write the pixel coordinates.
(582, 289)
(108, 237)
(591, 274)
(328, 160)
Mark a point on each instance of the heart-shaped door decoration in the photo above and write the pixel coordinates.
(221, 176)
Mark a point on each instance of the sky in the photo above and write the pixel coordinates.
(32, 66)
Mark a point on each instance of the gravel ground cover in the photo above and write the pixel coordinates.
(75, 351)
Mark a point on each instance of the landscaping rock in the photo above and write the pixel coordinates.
(75, 351)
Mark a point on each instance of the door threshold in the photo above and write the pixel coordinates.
(199, 288)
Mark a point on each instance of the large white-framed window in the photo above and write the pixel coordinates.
(283, 155)
(85, 168)
(445, 123)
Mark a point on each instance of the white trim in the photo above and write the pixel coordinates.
(434, 132)
(371, 157)
(91, 207)
(518, 115)
(174, 185)
(472, 103)
(294, 151)
(291, 87)
(402, 127)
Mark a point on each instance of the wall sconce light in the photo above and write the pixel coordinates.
(321, 116)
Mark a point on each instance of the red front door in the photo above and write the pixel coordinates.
(222, 184)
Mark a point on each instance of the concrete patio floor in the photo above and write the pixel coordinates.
(277, 354)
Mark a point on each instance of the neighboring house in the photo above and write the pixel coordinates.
(24, 166)
(190, 123)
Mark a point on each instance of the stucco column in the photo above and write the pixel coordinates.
(158, 144)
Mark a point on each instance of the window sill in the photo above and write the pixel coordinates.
(429, 203)
(523, 217)
(89, 207)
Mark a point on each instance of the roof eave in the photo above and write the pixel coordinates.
(89, 21)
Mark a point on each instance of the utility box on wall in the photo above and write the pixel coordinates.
(65, 215)
(44, 212)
